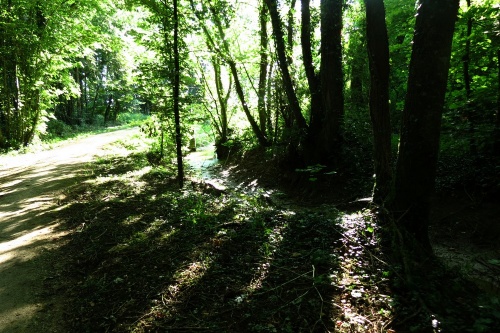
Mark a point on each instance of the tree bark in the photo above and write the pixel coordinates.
(289, 32)
(239, 91)
(419, 143)
(469, 112)
(316, 113)
(176, 93)
(378, 55)
(497, 124)
(282, 61)
(222, 97)
(331, 77)
(357, 97)
(264, 41)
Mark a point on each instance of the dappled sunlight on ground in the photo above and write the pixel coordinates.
(30, 187)
(362, 276)
(6, 248)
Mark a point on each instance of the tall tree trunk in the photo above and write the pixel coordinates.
(264, 41)
(239, 91)
(316, 114)
(283, 64)
(469, 112)
(331, 76)
(289, 32)
(222, 97)
(419, 143)
(497, 124)
(378, 55)
(357, 65)
(176, 94)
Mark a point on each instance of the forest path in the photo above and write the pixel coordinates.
(30, 188)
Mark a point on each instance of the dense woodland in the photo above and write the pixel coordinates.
(325, 89)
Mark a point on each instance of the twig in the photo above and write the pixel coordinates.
(285, 283)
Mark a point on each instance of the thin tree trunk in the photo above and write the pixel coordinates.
(316, 114)
(264, 41)
(176, 93)
(419, 143)
(378, 55)
(239, 91)
(497, 124)
(226, 55)
(289, 32)
(282, 61)
(357, 65)
(469, 112)
(261, 138)
(222, 98)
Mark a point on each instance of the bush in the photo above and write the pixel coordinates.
(57, 128)
(132, 118)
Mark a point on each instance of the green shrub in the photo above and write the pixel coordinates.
(132, 118)
(57, 128)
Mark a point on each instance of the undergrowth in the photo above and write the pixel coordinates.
(144, 256)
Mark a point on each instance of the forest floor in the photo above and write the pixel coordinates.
(94, 239)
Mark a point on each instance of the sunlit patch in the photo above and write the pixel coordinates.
(21, 313)
(186, 277)
(274, 239)
(363, 306)
(22, 241)
(11, 183)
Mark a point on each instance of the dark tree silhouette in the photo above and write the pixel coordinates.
(419, 143)
(378, 55)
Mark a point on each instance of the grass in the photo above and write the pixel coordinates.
(143, 256)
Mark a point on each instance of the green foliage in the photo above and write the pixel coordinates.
(57, 128)
(132, 118)
(470, 115)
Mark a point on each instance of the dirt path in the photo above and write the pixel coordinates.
(30, 186)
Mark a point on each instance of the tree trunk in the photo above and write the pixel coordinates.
(264, 41)
(378, 55)
(239, 91)
(282, 61)
(289, 32)
(223, 98)
(106, 113)
(497, 124)
(357, 65)
(469, 112)
(226, 55)
(331, 76)
(176, 94)
(419, 143)
(316, 114)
